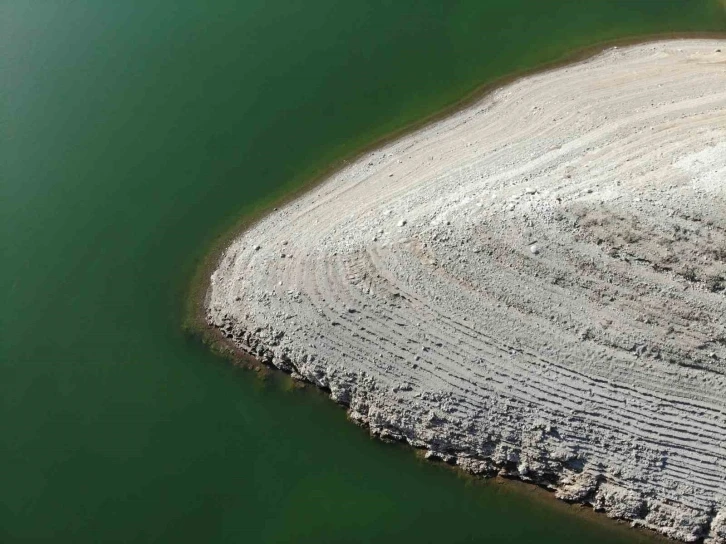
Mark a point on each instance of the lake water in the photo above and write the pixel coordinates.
(133, 134)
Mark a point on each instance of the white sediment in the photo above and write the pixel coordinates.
(533, 286)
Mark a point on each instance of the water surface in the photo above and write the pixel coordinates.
(135, 132)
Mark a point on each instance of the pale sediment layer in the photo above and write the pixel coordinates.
(534, 286)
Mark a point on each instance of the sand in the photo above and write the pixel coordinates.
(534, 286)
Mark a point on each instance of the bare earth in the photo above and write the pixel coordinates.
(535, 286)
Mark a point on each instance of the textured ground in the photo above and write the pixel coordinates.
(534, 286)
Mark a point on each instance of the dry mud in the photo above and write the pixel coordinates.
(534, 286)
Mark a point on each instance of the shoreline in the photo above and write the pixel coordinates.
(212, 335)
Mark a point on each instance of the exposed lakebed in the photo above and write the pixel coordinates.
(532, 287)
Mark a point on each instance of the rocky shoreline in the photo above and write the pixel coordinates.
(534, 286)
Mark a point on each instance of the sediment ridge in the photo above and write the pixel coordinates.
(534, 286)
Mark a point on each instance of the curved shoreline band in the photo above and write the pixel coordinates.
(534, 286)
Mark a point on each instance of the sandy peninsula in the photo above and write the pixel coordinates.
(534, 286)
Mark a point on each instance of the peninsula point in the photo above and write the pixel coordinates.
(533, 287)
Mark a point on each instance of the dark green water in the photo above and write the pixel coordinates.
(133, 133)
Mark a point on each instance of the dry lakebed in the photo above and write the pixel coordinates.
(534, 286)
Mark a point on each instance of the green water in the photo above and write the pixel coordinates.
(133, 133)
